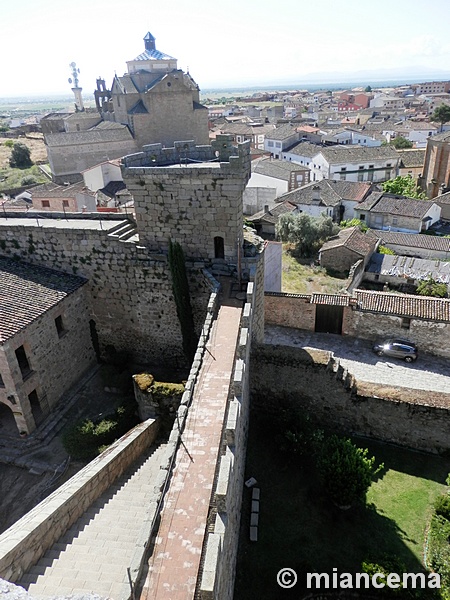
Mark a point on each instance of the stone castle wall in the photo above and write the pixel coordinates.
(330, 395)
(130, 290)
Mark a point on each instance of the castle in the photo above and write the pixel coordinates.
(154, 102)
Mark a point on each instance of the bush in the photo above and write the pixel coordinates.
(345, 470)
(430, 287)
(439, 548)
(442, 506)
(8, 143)
(354, 223)
(86, 439)
(28, 180)
(385, 250)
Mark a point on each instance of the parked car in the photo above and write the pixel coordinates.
(397, 348)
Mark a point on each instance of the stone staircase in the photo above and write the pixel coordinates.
(125, 231)
(94, 554)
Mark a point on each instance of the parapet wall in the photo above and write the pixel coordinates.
(23, 544)
(333, 397)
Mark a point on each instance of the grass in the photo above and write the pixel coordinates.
(303, 277)
(299, 528)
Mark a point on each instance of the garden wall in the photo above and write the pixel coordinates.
(332, 396)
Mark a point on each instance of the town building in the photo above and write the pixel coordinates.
(346, 163)
(45, 338)
(436, 169)
(397, 213)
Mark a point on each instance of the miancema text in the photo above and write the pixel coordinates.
(377, 580)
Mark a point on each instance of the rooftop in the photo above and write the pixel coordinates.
(28, 291)
(422, 307)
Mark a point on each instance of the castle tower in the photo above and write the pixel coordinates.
(190, 194)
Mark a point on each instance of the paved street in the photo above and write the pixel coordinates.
(427, 373)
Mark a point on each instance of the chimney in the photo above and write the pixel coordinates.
(266, 208)
(316, 193)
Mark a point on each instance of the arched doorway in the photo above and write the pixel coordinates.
(8, 423)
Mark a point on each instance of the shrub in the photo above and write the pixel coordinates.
(354, 223)
(28, 180)
(345, 470)
(430, 287)
(8, 143)
(385, 250)
(439, 548)
(442, 506)
(86, 439)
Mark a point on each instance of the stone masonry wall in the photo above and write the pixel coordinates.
(56, 361)
(23, 544)
(130, 290)
(289, 310)
(295, 310)
(329, 394)
(184, 194)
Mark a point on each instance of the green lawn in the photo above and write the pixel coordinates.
(299, 528)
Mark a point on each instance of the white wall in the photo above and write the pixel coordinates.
(273, 266)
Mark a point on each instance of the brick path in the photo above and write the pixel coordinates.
(174, 565)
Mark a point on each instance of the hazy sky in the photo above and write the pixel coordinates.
(224, 43)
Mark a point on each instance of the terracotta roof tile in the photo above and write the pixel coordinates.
(421, 307)
(28, 291)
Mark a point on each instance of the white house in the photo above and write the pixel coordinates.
(350, 136)
(346, 163)
(280, 139)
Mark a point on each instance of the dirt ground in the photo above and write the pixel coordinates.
(34, 141)
(20, 491)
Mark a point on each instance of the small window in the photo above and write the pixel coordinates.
(65, 204)
(219, 247)
(406, 323)
(45, 203)
(22, 359)
(59, 326)
(362, 217)
(2, 384)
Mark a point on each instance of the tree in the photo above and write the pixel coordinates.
(345, 470)
(180, 288)
(20, 157)
(368, 89)
(430, 287)
(306, 232)
(401, 142)
(441, 114)
(403, 186)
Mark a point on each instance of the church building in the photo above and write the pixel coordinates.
(154, 102)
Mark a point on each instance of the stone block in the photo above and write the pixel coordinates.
(253, 534)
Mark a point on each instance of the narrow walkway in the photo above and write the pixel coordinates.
(95, 552)
(174, 565)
